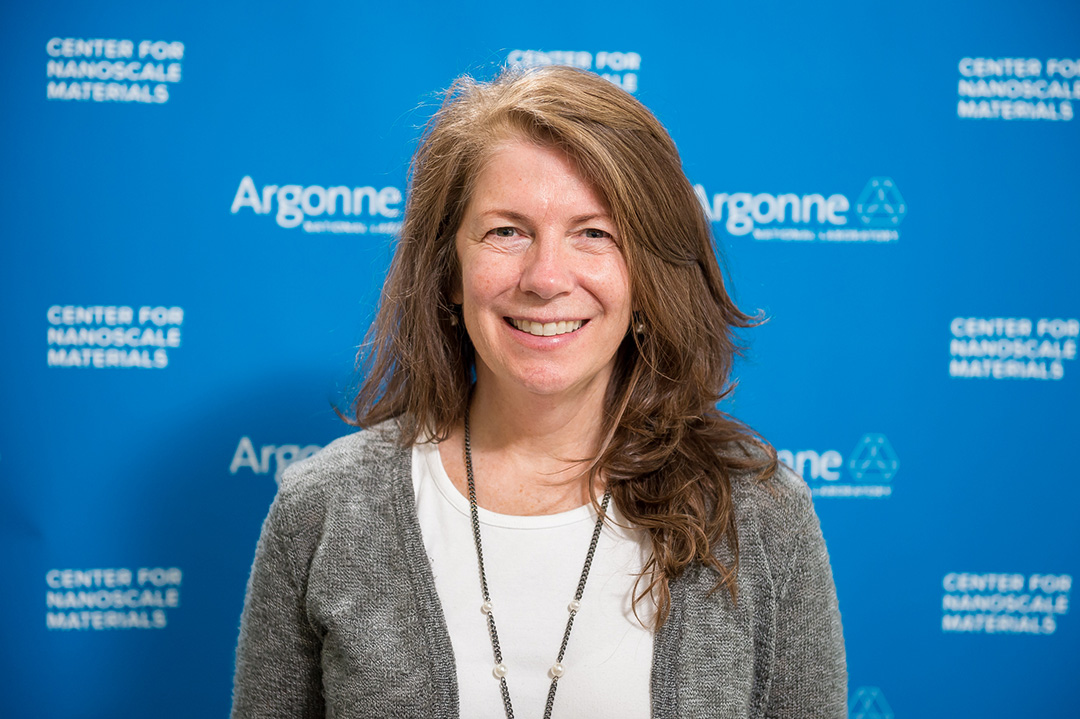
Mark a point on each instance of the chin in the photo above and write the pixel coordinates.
(552, 384)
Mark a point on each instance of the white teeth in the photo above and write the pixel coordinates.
(549, 329)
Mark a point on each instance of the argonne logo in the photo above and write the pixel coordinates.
(293, 205)
(881, 204)
(869, 703)
(871, 466)
(259, 461)
(809, 217)
(873, 460)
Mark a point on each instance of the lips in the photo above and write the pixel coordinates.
(546, 329)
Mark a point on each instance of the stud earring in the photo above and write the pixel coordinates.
(455, 310)
(639, 324)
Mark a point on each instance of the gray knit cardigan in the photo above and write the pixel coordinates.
(342, 618)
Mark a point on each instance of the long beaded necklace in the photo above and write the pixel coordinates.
(500, 670)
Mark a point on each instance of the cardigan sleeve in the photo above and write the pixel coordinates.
(278, 672)
(810, 670)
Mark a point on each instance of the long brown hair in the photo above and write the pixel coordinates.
(667, 453)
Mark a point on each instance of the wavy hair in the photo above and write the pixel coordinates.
(667, 452)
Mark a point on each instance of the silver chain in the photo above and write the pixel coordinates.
(487, 606)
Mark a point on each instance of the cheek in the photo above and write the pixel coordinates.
(480, 289)
(485, 281)
(613, 288)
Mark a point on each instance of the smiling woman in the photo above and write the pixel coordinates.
(546, 498)
(544, 287)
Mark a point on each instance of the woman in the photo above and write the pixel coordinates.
(546, 513)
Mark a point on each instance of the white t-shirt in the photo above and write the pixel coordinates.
(533, 565)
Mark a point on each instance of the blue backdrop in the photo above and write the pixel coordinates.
(201, 200)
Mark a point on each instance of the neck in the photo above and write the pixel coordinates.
(527, 450)
(550, 430)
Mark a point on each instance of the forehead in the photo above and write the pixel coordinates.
(533, 174)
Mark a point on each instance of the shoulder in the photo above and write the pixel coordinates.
(362, 464)
(780, 500)
(774, 518)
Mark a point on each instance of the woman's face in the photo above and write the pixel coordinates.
(545, 291)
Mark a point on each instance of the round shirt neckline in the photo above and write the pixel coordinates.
(429, 453)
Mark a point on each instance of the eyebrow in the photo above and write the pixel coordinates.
(518, 217)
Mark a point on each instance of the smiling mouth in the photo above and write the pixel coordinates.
(549, 329)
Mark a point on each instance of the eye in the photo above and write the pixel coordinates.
(594, 234)
(504, 232)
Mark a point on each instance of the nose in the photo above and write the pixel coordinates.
(546, 270)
